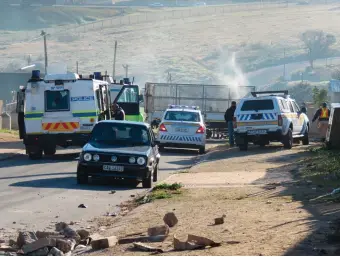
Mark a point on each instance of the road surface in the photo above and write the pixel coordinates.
(36, 194)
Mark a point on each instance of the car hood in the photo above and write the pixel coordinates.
(102, 148)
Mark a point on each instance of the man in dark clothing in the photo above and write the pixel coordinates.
(229, 117)
(118, 112)
(322, 114)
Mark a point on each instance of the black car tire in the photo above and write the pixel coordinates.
(155, 173)
(82, 177)
(243, 147)
(147, 182)
(50, 150)
(288, 140)
(305, 139)
(161, 148)
(36, 155)
(202, 150)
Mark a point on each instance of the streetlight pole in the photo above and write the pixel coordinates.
(126, 67)
(44, 34)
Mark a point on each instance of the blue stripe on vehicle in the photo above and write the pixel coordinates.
(33, 115)
(273, 116)
(84, 114)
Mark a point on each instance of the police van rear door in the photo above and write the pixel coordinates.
(257, 115)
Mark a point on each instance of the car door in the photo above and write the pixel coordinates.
(301, 118)
(295, 118)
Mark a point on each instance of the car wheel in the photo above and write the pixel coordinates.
(288, 140)
(50, 150)
(243, 147)
(82, 177)
(35, 155)
(147, 182)
(305, 139)
(155, 173)
(202, 150)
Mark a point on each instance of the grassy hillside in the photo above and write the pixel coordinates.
(16, 18)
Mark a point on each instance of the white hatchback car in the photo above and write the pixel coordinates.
(182, 127)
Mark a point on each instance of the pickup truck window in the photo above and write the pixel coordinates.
(258, 105)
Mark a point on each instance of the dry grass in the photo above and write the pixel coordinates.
(193, 49)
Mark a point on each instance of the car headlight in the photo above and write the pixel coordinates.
(141, 161)
(96, 157)
(87, 157)
(132, 160)
(114, 158)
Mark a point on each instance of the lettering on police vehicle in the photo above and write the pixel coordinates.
(57, 88)
(82, 98)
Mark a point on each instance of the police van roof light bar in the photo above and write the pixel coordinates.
(172, 106)
(284, 92)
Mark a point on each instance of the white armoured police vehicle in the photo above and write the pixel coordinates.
(270, 116)
(182, 127)
(60, 109)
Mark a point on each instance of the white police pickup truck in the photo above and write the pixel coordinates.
(269, 116)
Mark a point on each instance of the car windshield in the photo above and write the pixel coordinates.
(257, 105)
(182, 116)
(120, 134)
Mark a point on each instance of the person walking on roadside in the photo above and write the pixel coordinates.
(229, 117)
(322, 114)
(118, 112)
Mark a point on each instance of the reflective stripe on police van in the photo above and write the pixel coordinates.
(265, 116)
(181, 138)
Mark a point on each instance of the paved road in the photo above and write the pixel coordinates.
(35, 194)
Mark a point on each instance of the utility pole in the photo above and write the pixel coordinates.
(43, 33)
(126, 67)
(77, 68)
(284, 64)
(114, 62)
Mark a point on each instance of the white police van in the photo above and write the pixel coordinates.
(270, 116)
(182, 127)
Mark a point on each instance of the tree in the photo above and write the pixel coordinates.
(317, 43)
(319, 96)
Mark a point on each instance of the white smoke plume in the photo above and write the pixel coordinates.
(231, 74)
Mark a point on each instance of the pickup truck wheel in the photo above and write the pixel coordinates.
(161, 148)
(82, 177)
(147, 182)
(288, 140)
(305, 139)
(35, 155)
(243, 147)
(155, 174)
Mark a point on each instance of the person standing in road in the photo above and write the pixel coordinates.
(118, 112)
(229, 117)
(323, 115)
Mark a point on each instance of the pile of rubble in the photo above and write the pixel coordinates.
(64, 241)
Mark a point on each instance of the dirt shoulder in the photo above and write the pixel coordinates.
(264, 194)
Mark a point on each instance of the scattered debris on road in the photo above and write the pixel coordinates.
(170, 219)
(220, 220)
(82, 206)
(159, 230)
(113, 192)
(193, 242)
(147, 248)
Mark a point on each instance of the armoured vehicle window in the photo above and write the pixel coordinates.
(182, 116)
(56, 101)
(257, 105)
(129, 95)
(120, 134)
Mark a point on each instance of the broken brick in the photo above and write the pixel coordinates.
(38, 244)
(103, 243)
